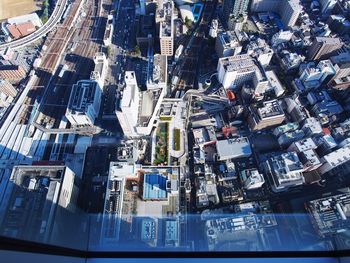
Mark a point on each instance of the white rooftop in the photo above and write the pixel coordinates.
(338, 157)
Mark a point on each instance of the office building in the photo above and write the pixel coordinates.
(285, 171)
(267, 114)
(128, 109)
(84, 103)
(287, 138)
(290, 60)
(341, 80)
(327, 6)
(281, 37)
(145, 31)
(233, 148)
(323, 47)
(289, 127)
(7, 88)
(108, 35)
(260, 50)
(314, 77)
(330, 214)
(336, 162)
(227, 44)
(252, 179)
(234, 71)
(295, 109)
(137, 111)
(100, 70)
(165, 25)
(12, 73)
(234, 11)
(302, 145)
(274, 83)
(314, 97)
(38, 204)
(288, 10)
(311, 162)
(327, 111)
(312, 127)
(113, 204)
(214, 27)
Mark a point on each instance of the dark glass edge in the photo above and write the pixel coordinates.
(10, 244)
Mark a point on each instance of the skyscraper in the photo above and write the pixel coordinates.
(323, 47)
(234, 9)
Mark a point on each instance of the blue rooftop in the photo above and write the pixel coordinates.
(197, 10)
(154, 186)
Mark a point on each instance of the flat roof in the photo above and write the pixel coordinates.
(154, 186)
(83, 95)
(233, 148)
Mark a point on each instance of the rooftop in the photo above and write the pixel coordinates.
(154, 186)
(233, 148)
(82, 95)
(339, 156)
(270, 109)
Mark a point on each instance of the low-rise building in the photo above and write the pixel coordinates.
(312, 127)
(233, 148)
(329, 214)
(289, 127)
(7, 88)
(289, 137)
(12, 73)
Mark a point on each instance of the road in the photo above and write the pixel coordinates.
(42, 31)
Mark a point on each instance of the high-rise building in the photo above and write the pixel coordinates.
(327, 5)
(336, 162)
(289, 10)
(84, 103)
(252, 179)
(270, 113)
(234, 71)
(260, 50)
(235, 7)
(285, 171)
(341, 63)
(38, 204)
(7, 88)
(234, 11)
(323, 47)
(227, 44)
(314, 77)
(129, 105)
(165, 25)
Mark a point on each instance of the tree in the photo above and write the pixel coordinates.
(188, 22)
(137, 50)
(109, 51)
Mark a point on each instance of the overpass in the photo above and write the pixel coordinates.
(42, 31)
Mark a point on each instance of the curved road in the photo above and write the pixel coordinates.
(46, 28)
